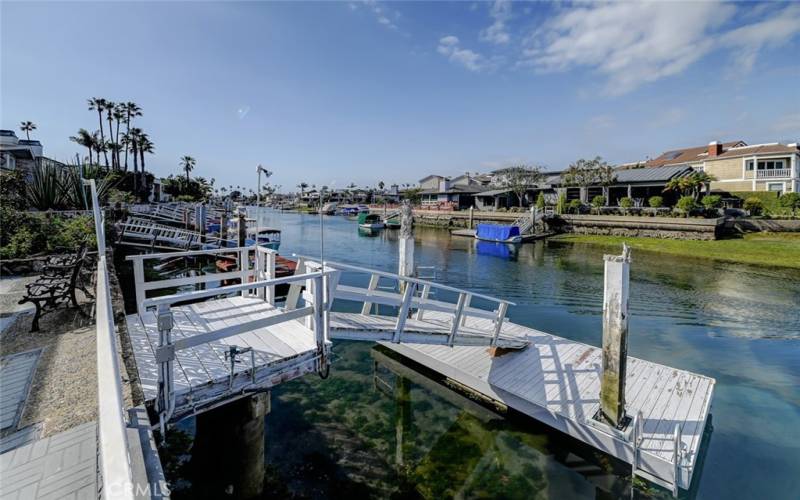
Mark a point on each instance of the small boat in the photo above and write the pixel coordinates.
(392, 223)
(369, 221)
(283, 267)
(267, 237)
(329, 208)
(498, 233)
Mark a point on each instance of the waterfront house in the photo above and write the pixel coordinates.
(738, 166)
(639, 184)
(446, 193)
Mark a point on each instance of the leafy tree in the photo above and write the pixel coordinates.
(584, 173)
(27, 127)
(754, 205)
(519, 179)
(598, 201)
(575, 206)
(413, 195)
(790, 201)
(625, 202)
(712, 201)
(656, 201)
(686, 204)
(561, 204)
(690, 185)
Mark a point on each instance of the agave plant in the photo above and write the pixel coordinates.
(44, 190)
(74, 191)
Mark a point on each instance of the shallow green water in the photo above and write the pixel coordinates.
(408, 436)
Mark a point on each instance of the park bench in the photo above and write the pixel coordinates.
(56, 286)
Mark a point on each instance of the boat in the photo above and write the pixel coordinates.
(283, 267)
(369, 221)
(498, 233)
(267, 237)
(329, 208)
(392, 223)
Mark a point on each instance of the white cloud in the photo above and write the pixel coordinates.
(500, 12)
(636, 43)
(449, 46)
(381, 13)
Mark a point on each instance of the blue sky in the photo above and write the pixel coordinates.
(333, 93)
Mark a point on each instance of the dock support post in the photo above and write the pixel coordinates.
(406, 264)
(615, 336)
(223, 228)
(471, 209)
(242, 226)
(229, 443)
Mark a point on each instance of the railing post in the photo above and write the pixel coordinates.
(677, 456)
(408, 294)
(138, 284)
(164, 357)
(318, 322)
(269, 269)
(466, 306)
(498, 321)
(258, 271)
(462, 299)
(426, 290)
(244, 265)
(373, 284)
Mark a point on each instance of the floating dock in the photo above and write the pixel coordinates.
(200, 349)
(557, 382)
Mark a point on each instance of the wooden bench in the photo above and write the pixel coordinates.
(60, 278)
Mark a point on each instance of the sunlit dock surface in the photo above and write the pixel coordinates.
(557, 381)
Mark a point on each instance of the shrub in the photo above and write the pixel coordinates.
(117, 196)
(575, 206)
(540, 201)
(790, 201)
(625, 202)
(754, 205)
(686, 204)
(562, 203)
(712, 201)
(598, 201)
(656, 202)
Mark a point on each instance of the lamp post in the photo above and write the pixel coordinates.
(267, 173)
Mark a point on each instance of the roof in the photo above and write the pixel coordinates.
(686, 155)
(455, 190)
(658, 174)
(495, 192)
(759, 149)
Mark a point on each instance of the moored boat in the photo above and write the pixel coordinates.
(498, 233)
(369, 221)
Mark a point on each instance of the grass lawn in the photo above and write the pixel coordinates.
(766, 249)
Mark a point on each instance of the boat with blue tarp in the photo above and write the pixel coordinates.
(498, 233)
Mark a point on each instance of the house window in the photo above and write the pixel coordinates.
(775, 187)
(765, 164)
(749, 165)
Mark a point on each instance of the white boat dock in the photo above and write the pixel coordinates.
(197, 350)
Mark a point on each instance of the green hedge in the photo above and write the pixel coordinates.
(768, 198)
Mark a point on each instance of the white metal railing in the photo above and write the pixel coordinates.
(167, 346)
(408, 301)
(112, 438)
(263, 268)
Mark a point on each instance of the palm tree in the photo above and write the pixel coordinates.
(99, 146)
(187, 164)
(109, 109)
(99, 104)
(85, 139)
(145, 146)
(27, 127)
(131, 110)
(302, 187)
(381, 185)
(119, 115)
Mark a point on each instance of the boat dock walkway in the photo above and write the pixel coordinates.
(199, 349)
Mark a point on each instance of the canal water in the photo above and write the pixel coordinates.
(378, 429)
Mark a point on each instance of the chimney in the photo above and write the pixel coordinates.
(714, 148)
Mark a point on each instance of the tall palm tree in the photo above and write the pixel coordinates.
(302, 186)
(27, 127)
(119, 115)
(99, 146)
(187, 164)
(145, 146)
(85, 139)
(133, 136)
(132, 110)
(99, 104)
(109, 109)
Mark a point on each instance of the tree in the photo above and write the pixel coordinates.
(145, 146)
(302, 187)
(540, 201)
(690, 185)
(187, 164)
(85, 139)
(519, 179)
(27, 127)
(109, 108)
(413, 195)
(99, 104)
(131, 110)
(381, 185)
(584, 173)
(119, 116)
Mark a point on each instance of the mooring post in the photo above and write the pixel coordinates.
(615, 336)
(223, 227)
(242, 228)
(471, 209)
(406, 247)
(201, 224)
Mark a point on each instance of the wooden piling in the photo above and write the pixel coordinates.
(615, 336)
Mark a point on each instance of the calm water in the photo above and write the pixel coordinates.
(375, 430)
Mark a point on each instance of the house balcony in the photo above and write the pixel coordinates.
(775, 173)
